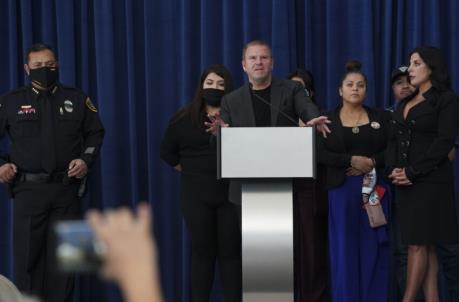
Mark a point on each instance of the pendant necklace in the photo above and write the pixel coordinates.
(356, 129)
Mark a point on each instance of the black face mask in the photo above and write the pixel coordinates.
(44, 77)
(212, 96)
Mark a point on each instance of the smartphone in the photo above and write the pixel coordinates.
(77, 249)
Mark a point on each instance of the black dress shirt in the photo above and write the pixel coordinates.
(73, 128)
(261, 110)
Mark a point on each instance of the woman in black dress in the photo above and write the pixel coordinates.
(423, 131)
(211, 220)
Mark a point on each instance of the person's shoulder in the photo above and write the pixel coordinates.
(442, 98)
(16, 93)
(181, 116)
(449, 95)
(286, 83)
(236, 93)
(332, 113)
(379, 114)
(70, 90)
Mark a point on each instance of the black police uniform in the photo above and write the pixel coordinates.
(47, 129)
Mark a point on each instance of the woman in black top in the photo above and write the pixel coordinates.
(424, 127)
(211, 220)
(359, 253)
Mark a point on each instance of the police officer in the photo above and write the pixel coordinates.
(55, 134)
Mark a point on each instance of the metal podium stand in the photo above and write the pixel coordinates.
(265, 160)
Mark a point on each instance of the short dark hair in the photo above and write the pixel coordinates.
(434, 59)
(253, 43)
(308, 80)
(305, 75)
(39, 47)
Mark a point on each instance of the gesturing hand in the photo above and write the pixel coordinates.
(321, 124)
(215, 122)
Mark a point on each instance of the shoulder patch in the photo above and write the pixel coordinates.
(90, 105)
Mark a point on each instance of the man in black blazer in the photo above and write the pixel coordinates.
(266, 101)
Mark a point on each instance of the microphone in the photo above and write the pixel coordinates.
(271, 106)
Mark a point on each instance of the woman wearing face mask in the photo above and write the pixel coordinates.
(354, 152)
(424, 129)
(211, 220)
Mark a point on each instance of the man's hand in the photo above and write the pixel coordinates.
(215, 122)
(321, 124)
(7, 172)
(399, 177)
(77, 168)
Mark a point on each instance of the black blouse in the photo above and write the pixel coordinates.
(336, 151)
(190, 146)
(357, 143)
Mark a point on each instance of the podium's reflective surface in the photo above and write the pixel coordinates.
(265, 160)
(267, 241)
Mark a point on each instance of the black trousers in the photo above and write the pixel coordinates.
(215, 236)
(36, 208)
(311, 267)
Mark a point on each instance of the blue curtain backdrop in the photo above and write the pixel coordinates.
(140, 61)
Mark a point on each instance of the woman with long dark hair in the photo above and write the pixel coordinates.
(358, 197)
(211, 220)
(424, 128)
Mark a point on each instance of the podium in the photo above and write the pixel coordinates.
(265, 159)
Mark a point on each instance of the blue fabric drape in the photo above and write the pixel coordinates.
(140, 61)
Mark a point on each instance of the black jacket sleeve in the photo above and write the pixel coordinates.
(384, 118)
(170, 147)
(390, 155)
(330, 158)
(446, 134)
(93, 133)
(304, 106)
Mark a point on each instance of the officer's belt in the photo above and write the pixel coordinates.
(57, 177)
